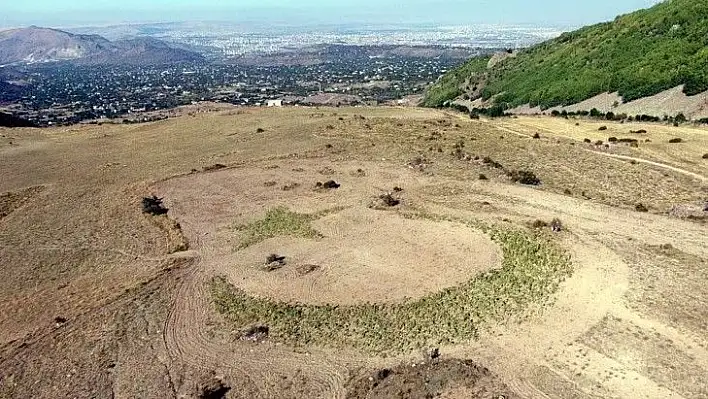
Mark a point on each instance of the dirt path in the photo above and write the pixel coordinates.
(616, 156)
(657, 164)
(557, 354)
(630, 321)
(563, 354)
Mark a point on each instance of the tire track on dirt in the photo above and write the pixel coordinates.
(187, 340)
(617, 156)
(652, 163)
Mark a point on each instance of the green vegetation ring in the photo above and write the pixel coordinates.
(532, 270)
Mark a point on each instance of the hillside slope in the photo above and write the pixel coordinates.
(141, 51)
(637, 55)
(36, 44)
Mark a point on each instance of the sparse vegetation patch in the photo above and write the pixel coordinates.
(524, 177)
(384, 201)
(419, 163)
(278, 222)
(532, 270)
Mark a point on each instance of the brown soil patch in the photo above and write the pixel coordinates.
(365, 255)
(362, 255)
(649, 352)
(447, 378)
(94, 305)
(11, 201)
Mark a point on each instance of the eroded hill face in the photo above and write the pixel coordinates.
(260, 283)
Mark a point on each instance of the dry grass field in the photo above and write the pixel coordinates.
(432, 268)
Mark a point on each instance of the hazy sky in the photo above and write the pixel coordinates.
(540, 12)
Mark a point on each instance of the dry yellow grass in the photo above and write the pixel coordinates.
(687, 154)
(100, 300)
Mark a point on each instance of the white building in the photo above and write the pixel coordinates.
(275, 103)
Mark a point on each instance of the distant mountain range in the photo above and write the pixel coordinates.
(35, 44)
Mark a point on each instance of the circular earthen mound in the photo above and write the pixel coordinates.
(448, 378)
(365, 256)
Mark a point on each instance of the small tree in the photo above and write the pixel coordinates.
(496, 111)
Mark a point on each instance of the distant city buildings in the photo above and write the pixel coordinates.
(271, 68)
(274, 103)
(230, 41)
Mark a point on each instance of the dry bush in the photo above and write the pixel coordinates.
(385, 201)
(274, 262)
(255, 333)
(153, 205)
(306, 269)
(327, 171)
(419, 163)
(538, 224)
(213, 388)
(328, 185)
(290, 186)
(490, 162)
(359, 173)
(524, 177)
(641, 208)
(389, 200)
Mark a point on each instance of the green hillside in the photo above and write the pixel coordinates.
(449, 86)
(638, 55)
